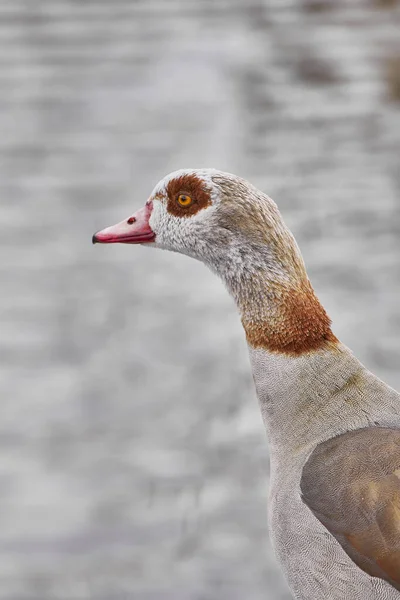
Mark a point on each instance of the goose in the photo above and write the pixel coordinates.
(333, 427)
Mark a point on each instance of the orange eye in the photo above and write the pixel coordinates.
(184, 200)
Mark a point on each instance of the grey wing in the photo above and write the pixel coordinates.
(352, 485)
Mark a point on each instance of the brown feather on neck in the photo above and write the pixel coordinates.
(297, 324)
(280, 311)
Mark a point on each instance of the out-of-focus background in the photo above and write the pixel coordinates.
(133, 459)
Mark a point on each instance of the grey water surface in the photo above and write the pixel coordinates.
(133, 459)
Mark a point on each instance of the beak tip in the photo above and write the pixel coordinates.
(94, 239)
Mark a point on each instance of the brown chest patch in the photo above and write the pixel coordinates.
(300, 324)
(189, 185)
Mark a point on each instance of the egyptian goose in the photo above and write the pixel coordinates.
(333, 427)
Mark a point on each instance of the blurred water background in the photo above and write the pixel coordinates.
(133, 459)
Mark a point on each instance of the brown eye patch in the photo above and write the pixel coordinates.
(191, 186)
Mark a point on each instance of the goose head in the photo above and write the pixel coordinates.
(217, 218)
(237, 231)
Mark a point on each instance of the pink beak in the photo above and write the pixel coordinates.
(135, 230)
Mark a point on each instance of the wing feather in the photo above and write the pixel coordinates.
(352, 485)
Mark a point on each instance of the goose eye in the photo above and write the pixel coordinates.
(184, 200)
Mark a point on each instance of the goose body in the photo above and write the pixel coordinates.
(333, 427)
(324, 396)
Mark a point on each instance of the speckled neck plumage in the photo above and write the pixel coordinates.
(290, 320)
(266, 275)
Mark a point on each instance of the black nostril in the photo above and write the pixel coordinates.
(131, 220)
